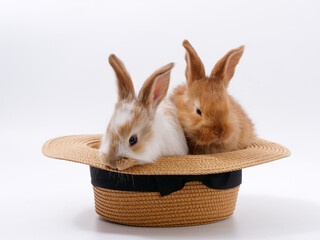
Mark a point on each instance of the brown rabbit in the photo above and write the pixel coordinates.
(211, 119)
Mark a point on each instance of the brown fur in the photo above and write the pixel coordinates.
(124, 82)
(223, 125)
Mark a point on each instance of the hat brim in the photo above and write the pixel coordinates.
(84, 149)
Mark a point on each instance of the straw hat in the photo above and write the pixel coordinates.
(204, 187)
(84, 149)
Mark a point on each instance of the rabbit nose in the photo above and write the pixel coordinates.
(110, 161)
(218, 131)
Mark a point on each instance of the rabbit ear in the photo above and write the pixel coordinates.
(225, 67)
(155, 87)
(195, 69)
(125, 85)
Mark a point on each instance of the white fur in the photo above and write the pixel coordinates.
(104, 146)
(167, 139)
(122, 115)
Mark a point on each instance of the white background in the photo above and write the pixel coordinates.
(55, 80)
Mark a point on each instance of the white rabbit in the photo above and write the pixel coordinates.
(144, 127)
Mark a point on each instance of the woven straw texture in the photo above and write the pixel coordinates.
(193, 205)
(84, 149)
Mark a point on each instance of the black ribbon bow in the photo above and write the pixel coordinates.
(164, 184)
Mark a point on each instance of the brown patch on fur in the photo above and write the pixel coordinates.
(223, 124)
(141, 117)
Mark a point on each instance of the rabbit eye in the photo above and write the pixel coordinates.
(133, 140)
(199, 111)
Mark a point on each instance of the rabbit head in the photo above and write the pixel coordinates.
(205, 110)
